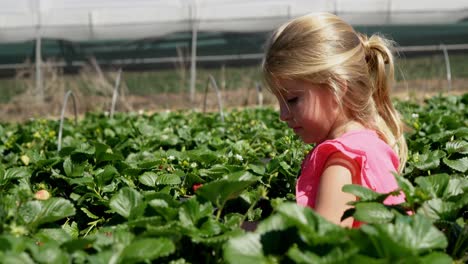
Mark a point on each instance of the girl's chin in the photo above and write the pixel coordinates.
(310, 140)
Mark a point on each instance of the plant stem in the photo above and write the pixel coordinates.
(218, 214)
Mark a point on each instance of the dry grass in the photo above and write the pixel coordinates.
(93, 91)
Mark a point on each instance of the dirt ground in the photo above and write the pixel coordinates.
(25, 107)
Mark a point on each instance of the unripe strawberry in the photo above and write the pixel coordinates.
(42, 195)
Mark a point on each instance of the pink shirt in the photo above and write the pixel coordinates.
(376, 160)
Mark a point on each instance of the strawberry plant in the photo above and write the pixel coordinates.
(180, 187)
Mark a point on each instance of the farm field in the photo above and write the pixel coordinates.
(169, 88)
(182, 187)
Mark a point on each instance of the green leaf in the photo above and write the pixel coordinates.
(241, 176)
(367, 260)
(456, 186)
(103, 257)
(105, 153)
(15, 173)
(14, 244)
(436, 258)
(302, 257)
(273, 222)
(442, 136)
(55, 235)
(434, 185)
(439, 209)
(218, 192)
(168, 179)
(258, 169)
(71, 229)
(104, 176)
(89, 214)
(460, 165)
(203, 155)
(245, 249)
(313, 228)
(168, 139)
(86, 181)
(36, 213)
(406, 186)
(147, 249)
(68, 167)
(217, 239)
(218, 171)
(364, 193)
(152, 179)
(128, 203)
(209, 227)
(145, 221)
(429, 160)
(457, 146)
(146, 129)
(336, 255)
(170, 229)
(83, 152)
(77, 244)
(74, 169)
(2, 171)
(48, 253)
(413, 235)
(192, 211)
(148, 178)
(165, 205)
(23, 258)
(372, 213)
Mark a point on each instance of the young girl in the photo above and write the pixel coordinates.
(333, 84)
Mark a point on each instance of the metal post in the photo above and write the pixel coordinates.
(389, 11)
(116, 93)
(39, 84)
(212, 81)
(62, 115)
(447, 67)
(193, 61)
(258, 87)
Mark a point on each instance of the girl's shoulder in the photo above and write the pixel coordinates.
(364, 139)
(363, 143)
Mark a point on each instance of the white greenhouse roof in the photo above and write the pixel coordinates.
(83, 20)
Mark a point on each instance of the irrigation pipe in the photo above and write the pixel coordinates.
(115, 94)
(447, 66)
(258, 87)
(212, 81)
(62, 115)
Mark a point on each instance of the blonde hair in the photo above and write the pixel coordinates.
(323, 49)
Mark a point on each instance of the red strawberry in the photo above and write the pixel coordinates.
(196, 186)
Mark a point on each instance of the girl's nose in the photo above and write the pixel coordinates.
(285, 114)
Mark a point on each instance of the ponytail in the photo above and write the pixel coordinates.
(380, 63)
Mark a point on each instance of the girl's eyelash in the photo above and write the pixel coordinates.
(292, 100)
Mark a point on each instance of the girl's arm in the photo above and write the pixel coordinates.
(331, 201)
